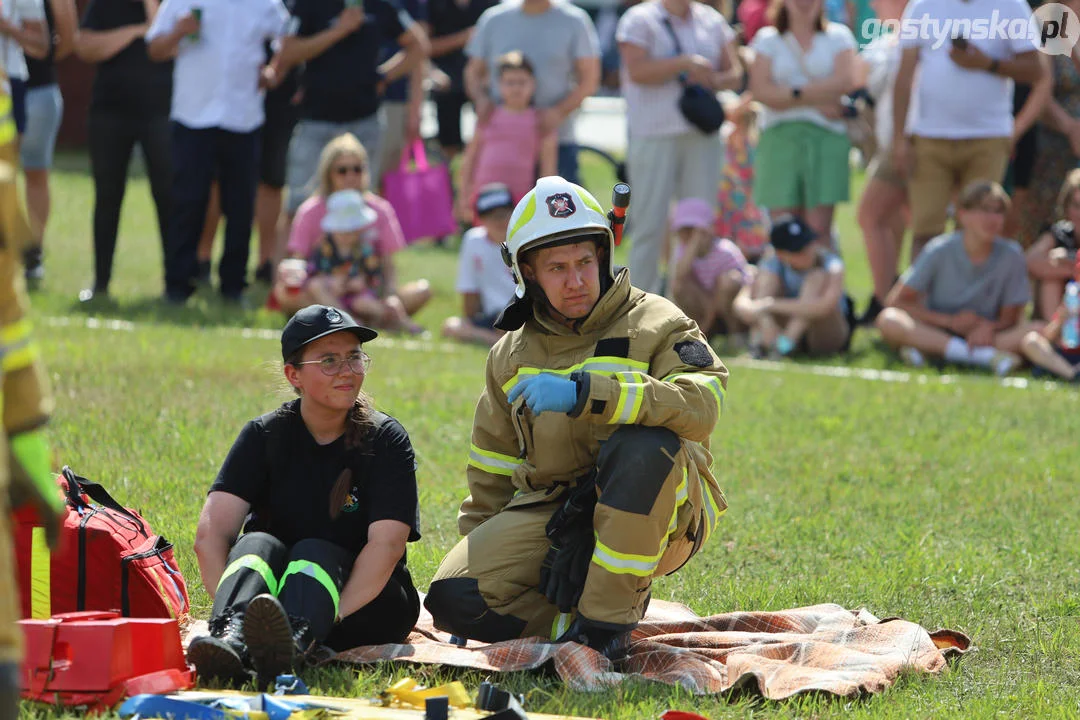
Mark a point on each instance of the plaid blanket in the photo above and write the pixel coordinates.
(779, 654)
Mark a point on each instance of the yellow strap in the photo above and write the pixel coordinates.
(408, 692)
(40, 576)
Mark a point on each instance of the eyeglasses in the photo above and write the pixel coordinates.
(359, 363)
(346, 169)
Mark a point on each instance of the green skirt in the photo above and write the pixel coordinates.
(801, 165)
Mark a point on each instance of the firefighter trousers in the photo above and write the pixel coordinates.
(307, 579)
(651, 517)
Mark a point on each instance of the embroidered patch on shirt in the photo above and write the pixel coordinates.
(694, 352)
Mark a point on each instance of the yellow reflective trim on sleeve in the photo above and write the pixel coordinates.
(40, 576)
(710, 381)
(15, 332)
(18, 358)
(8, 130)
(601, 364)
(681, 496)
(631, 394)
(626, 563)
(493, 462)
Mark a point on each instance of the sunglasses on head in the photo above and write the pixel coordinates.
(346, 169)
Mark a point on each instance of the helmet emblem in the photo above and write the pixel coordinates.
(560, 205)
(333, 316)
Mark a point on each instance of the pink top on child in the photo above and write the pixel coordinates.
(307, 226)
(721, 258)
(510, 151)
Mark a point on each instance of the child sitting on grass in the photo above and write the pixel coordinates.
(963, 299)
(484, 281)
(797, 299)
(345, 268)
(1050, 261)
(707, 272)
(1044, 350)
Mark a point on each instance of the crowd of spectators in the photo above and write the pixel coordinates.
(287, 116)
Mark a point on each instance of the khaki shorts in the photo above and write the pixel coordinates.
(943, 167)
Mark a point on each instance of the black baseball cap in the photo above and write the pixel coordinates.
(316, 321)
(492, 197)
(790, 234)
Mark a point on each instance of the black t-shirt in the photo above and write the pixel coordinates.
(339, 85)
(286, 89)
(129, 82)
(448, 17)
(288, 478)
(43, 72)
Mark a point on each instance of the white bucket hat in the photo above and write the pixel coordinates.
(346, 211)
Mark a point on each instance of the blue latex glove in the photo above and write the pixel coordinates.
(546, 393)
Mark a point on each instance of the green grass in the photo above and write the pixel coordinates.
(948, 504)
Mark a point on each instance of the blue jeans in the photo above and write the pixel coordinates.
(44, 110)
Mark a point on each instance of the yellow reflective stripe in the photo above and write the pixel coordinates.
(590, 202)
(626, 563)
(8, 131)
(306, 567)
(560, 625)
(682, 494)
(603, 364)
(712, 510)
(18, 358)
(252, 562)
(710, 381)
(492, 462)
(526, 215)
(15, 332)
(40, 576)
(16, 349)
(631, 395)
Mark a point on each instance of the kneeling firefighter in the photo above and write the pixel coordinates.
(26, 402)
(589, 465)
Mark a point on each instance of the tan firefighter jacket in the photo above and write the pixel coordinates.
(641, 361)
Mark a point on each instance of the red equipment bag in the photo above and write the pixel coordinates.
(109, 559)
(98, 658)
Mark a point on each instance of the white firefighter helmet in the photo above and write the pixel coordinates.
(554, 210)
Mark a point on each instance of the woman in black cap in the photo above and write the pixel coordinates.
(324, 490)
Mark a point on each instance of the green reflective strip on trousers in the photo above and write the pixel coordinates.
(306, 567)
(252, 562)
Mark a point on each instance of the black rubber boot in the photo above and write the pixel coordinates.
(278, 643)
(221, 656)
(9, 691)
(612, 644)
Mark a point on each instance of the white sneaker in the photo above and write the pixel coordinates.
(1003, 363)
(912, 357)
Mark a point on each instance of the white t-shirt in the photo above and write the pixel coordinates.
(787, 70)
(653, 110)
(17, 12)
(216, 77)
(481, 270)
(954, 102)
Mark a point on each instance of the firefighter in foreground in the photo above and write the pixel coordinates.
(25, 475)
(589, 469)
